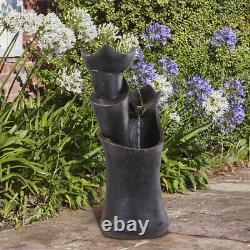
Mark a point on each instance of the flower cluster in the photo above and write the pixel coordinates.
(166, 88)
(235, 113)
(169, 66)
(71, 80)
(107, 33)
(156, 33)
(48, 31)
(216, 105)
(224, 37)
(27, 21)
(126, 43)
(55, 35)
(143, 73)
(198, 89)
(175, 117)
(81, 22)
(224, 106)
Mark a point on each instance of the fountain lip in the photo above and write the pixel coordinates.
(106, 73)
(117, 62)
(105, 103)
(157, 146)
(108, 49)
(150, 99)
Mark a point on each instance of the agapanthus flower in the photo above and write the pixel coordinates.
(81, 22)
(235, 114)
(126, 43)
(70, 79)
(198, 89)
(224, 37)
(175, 117)
(143, 73)
(49, 32)
(156, 33)
(216, 105)
(169, 66)
(234, 89)
(161, 83)
(107, 33)
(55, 36)
(139, 54)
(27, 22)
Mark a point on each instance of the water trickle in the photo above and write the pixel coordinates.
(139, 122)
(139, 132)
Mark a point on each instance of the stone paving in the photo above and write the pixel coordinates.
(214, 219)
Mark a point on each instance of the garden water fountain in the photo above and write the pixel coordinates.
(132, 138)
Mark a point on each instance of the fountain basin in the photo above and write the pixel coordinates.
(133, 183)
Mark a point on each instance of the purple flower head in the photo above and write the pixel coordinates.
(198, 89)
(225, 36)
(142, 73)
(169, 65)
(236, 114)
(156, 33)
(234, 89)
(139, 54)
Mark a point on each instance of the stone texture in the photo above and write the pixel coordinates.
(215, 219)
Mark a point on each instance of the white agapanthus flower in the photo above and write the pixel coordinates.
(127, 42)
(216, 104)
(27, 21)
(175, 117)
(107, 32)
(81, 22)
(161, 83)
(55, 35)
(71, 80)
(50, 33)
(31, 22)
(11, 21)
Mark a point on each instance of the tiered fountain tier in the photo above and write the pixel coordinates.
(132, 138)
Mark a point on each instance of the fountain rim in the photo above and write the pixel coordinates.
(99, 50)
(94, 101)
(157, 146)
(106, 73)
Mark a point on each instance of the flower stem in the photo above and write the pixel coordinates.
(7, 51)
(2, 31)
(12, 70)
(36, 67)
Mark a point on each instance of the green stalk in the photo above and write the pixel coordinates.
(13, 69)
(2, 31)
(8, 50)
(12, 84)
(36, 67)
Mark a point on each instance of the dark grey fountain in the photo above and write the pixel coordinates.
(132, 138)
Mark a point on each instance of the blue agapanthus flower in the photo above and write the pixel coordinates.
(235, 114)
(198, 89)
(169, 65)
(224, 37)
(142, 73)
(156, 33)
(234, 89)
(139, 54)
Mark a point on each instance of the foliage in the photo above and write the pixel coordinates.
(192, 24)
(49, 158)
